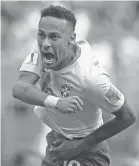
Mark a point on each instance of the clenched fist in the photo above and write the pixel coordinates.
(69, 104)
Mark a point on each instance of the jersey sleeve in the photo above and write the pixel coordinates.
(102, 91)
(32, 63)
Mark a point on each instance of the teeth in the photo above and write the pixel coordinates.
(48, 61)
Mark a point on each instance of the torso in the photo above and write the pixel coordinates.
(71, 81)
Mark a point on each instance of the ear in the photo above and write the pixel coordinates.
(72, 38)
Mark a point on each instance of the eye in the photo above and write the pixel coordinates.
(41, 34)
(54, 36)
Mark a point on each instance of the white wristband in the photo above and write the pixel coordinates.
(51, 101)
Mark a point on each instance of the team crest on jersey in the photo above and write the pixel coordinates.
(65, 89)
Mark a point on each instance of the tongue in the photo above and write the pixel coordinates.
(49, 56)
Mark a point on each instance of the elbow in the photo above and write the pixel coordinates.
(126, 115)
(132, 118)
(129, 119)
(129, 114)
(16, 91)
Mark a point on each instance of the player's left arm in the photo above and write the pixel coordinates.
(113, 101)
(124, 117)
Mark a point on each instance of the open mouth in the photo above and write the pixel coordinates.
(48, 58)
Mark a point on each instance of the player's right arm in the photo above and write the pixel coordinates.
(26, 91)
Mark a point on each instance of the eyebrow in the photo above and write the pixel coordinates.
(40, 30)
(50, 32)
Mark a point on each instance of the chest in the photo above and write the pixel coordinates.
(65, 84)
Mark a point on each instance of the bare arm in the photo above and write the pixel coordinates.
(124, 118)
(26, 91)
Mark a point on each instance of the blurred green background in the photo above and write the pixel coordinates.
(112, 29)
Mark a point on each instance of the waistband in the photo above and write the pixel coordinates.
(53, 135)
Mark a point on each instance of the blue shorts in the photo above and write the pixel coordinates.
(93, 157)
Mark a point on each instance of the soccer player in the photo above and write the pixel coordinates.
(73, 91)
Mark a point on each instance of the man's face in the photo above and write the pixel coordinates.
(53, 37)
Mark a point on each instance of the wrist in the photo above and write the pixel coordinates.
(85, 144)
(90, 141)
(51, 101)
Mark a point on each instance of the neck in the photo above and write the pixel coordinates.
(69, 58)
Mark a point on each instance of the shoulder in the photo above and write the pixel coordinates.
(87, 55)
(98, 77)
(33, 61)
(87, 60)
(83, 44)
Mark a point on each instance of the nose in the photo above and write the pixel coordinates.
(46, 44)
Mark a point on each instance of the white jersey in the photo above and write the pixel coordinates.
(84, 78)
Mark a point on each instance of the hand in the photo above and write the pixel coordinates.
(69, 104)
(66, 149)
